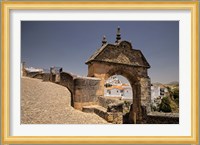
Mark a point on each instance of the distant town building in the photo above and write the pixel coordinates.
(158, 91)
(115, 88)
(30, 71)
(113, 80)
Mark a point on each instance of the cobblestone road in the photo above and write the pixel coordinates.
(49, 103)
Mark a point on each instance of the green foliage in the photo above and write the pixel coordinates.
(176, 93)
(177, 101)
(165, 105)
(127, 103)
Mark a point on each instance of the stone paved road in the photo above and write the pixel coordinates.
(49, 103)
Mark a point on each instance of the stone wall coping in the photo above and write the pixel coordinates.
(118, 63)
(162, 114)
(88, 78)
(81, 77)
(73, 75)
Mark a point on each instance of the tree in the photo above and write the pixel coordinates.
(176, 95)
(165, 105)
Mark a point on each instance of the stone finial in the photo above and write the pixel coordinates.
(104, 41)
(118, 36)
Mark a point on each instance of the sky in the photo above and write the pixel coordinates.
(69, 44)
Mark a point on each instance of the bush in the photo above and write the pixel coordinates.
(177, 101)
(176, 93)
(165, 105)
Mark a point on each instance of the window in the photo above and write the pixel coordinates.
(162, 89)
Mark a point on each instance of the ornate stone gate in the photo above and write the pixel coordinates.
(121, 59)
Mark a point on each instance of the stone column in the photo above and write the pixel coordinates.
(135, 111)
(146, 93)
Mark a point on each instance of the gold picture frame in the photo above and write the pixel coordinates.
(8, 6)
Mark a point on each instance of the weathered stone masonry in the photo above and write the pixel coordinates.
(86, 92)
(122, 59)
(83, 89)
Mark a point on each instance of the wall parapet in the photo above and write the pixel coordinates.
(161, 118)
(85, 91)
(162, 114)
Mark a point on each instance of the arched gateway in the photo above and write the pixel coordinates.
(121, 59)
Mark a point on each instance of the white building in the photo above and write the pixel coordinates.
(32, 69)
(115, 88)
(124, 91)
(113, 80)
(158, 90)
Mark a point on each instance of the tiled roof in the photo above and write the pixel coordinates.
(115, 87)
(121, 87)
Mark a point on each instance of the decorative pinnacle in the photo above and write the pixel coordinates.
(104, 41)
(118, 36)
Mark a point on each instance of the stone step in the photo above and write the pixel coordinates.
(105, 101)
(88, 109)
(99, 110)
(93, 109)
(112, 117)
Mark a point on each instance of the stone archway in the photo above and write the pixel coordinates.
(120, 58)
(140, 85)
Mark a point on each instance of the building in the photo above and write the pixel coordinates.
(30, 71)
(158, 91)
(113, 80)
(123, 92)
(115, 88)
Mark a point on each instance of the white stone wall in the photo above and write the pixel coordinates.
(155, 92)
(113, 92)
(127, 93)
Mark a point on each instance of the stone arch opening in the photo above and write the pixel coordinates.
(134, 115)
(118, 87)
